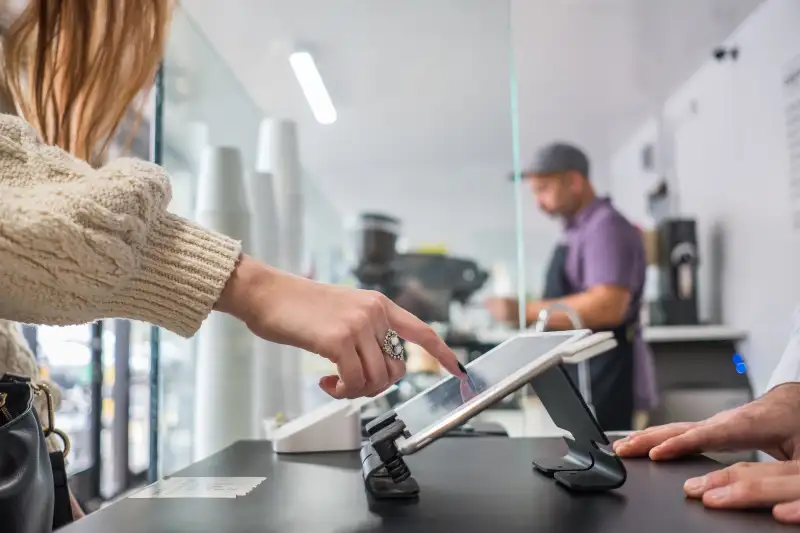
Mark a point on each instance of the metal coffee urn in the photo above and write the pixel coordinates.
(678, 261)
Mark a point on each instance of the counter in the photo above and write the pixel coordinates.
(467, 485)
(652, 334)
(710, 333)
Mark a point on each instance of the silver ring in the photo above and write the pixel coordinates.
(392, 345)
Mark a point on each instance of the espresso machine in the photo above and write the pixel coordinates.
(678, 260)
(423, 284)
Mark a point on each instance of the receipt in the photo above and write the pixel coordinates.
(200, 487)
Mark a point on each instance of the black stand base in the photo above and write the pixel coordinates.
(386, 475)
(586, 467)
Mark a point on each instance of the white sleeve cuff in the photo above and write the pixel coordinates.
(788, 369)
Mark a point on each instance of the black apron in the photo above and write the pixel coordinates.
(611, 372)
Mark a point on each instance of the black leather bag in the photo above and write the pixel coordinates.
(28, 494)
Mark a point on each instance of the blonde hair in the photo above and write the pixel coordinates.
(73, 68)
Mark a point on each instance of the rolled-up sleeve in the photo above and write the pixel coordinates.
(79, 244)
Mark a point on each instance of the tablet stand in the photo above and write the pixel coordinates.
(584, 374)
(586, 467)
(386, 475)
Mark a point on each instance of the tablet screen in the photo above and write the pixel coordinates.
(434, 404)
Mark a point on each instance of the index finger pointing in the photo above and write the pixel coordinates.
(415, 330)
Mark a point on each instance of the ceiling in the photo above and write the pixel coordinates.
(422, 87)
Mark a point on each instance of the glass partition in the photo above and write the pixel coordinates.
(204, 105)
(422, 142)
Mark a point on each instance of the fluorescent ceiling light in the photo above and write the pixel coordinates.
(313, 87)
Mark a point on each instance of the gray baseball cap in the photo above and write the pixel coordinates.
(556, 158)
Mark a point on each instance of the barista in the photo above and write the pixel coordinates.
(598, 270)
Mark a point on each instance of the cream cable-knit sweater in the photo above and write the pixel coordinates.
(79, 244)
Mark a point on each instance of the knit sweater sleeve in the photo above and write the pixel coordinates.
(79, 244)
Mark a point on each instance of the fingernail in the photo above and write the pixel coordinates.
(718, 495)
(787, 512)
(695, 485)
(462, 368)
(655, 452)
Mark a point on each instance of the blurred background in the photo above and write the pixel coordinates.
(688, 109)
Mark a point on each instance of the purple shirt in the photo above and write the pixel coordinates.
(605, 249)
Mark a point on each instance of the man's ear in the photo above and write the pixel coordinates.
(574, 181)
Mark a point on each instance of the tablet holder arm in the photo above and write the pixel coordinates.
(386, 474)
(586, 467)
(584, 375)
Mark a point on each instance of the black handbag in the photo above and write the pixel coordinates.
(34, 497)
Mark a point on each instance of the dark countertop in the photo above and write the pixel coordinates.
(477, 484)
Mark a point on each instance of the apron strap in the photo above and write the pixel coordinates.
(625, 333)
(556, 283)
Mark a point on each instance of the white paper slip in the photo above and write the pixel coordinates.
(199, 487)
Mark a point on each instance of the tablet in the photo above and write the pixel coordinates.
(493, 376)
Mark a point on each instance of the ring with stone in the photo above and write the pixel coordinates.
(392, 345)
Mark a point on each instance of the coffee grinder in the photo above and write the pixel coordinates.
(376, 253)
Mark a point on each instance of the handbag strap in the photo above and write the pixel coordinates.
(62, 510)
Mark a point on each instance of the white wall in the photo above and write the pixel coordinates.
(629, 181)
(732, 173)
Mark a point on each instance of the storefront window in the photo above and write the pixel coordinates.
(66, 359)
(139, 407)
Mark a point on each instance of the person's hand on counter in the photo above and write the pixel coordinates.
(769, 424)
(752, 485)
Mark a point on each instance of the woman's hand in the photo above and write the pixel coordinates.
(346, 326)
(752, 485)
(769, 424)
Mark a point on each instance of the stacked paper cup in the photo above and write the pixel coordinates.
(223, 395)
(268, 375)
(278, 157)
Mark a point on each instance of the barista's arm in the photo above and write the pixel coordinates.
(609, 259)
(601, 306)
